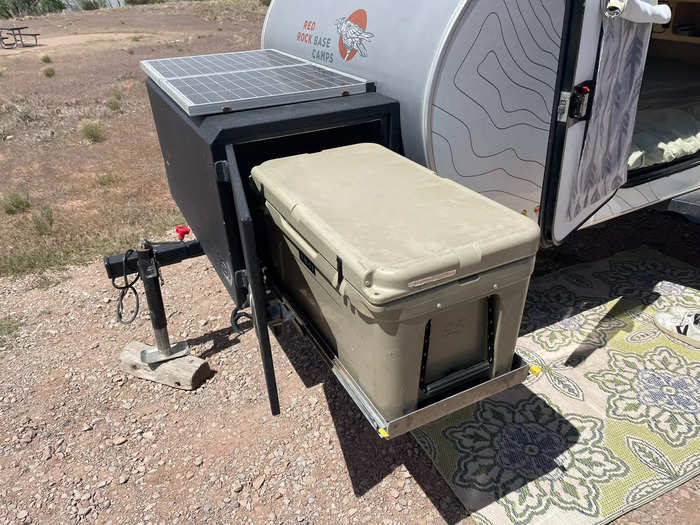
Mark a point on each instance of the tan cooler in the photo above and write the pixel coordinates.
(413, 284)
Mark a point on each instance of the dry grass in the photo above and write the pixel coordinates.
(43, 221)
(107, 179)
(9, 325)
(113, 104)
(98, 183)
(91, 130)
(77, 236)
(16, 203)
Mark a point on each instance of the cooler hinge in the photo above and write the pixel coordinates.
(222, 173)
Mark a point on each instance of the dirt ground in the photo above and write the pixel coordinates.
(82, 442)
(100, 195)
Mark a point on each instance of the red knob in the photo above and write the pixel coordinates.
(585, 90)
(182, 232)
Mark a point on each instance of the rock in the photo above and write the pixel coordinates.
(46, 454)
(119, 440)
(84, 511)
(198, 461)
(87, 428)
(123, 478)
(259, 482)
(22, 514)
(237, 487)
(149, 435)
(352, 512)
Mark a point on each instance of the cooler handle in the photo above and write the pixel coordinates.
(315, 257)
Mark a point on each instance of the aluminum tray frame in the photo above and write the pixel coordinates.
(390, 429)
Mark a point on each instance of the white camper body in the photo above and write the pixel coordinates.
(532, 103)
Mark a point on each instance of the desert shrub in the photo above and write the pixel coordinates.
(106, 179)
(18, 8)
(46, 59)
(16, 203)
(142, 2)
(91, 5)
(43, 220)
(48, 72)
(91, 130)
(113, 104)
(9, 325)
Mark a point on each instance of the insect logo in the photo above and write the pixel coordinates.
(353, 34)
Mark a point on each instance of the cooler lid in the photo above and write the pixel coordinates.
(396, 226)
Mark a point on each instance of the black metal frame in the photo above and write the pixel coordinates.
(165, 254)
(652, 173)
(464, 376)
(192, 147)
(257, 293)
(568, 58)
(208, 160)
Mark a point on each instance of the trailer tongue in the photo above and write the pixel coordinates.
(292, 177)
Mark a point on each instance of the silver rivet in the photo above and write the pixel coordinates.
(495, 286)
(368, 284)
(439, 305)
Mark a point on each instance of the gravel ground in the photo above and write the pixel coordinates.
(81, 441)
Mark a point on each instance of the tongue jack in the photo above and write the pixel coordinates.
(150, 276)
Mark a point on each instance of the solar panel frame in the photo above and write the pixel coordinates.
(224, 82)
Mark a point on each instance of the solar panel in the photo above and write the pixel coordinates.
(208, 84)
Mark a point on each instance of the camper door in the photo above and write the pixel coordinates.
(601, 80)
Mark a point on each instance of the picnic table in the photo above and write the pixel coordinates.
(17, 35)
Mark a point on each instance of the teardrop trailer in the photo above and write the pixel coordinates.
(307, 172)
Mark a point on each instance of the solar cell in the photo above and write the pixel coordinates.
(208, 84)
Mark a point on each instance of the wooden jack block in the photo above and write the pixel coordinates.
(185, 373)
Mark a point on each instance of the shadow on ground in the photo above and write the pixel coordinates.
(369, 459)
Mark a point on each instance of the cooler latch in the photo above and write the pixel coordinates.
(581, 101)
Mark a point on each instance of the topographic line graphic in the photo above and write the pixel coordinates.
(544, 83)
(459, 173)
(507, 50)
(493, 109)
(471, 144)
(549, 16)
(544, 31)
(520, 42)
(500, 95)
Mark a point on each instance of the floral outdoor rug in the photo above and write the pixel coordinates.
(613, 420)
